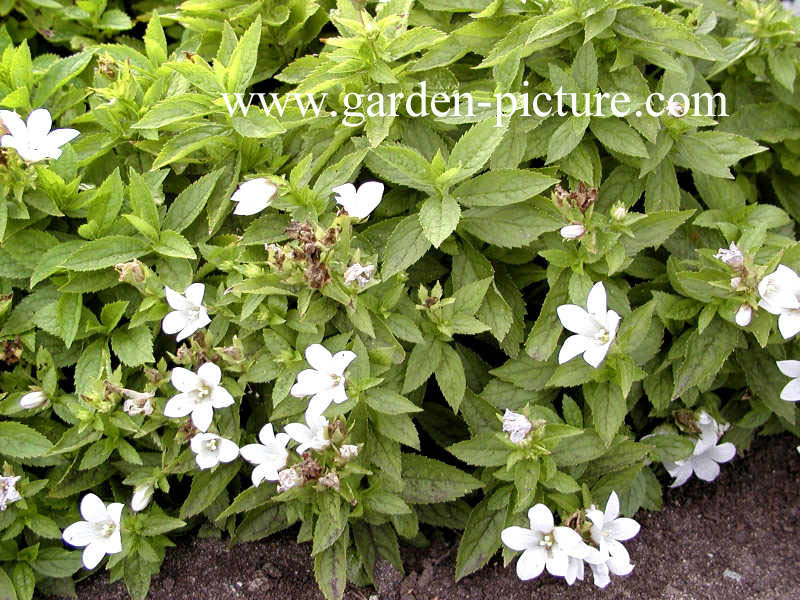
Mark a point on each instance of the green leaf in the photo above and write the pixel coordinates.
(474, 148)
(564, 139)
(70, 307)
(426, 480)
(21, 441)
(608, 408)
(503, 187)
(206, 487)
(654, 229)
(330, 569)
(106, 252)
(133, 347)
(766, 380)
(331, 522)
(483, 450)
(653, 26)
(261, 523)
(480, 540)
(173, 244)
(243, 60)
(389, 402)
(670, 447)
(59, 74)
(439, 218)
(399, 428)
(510, 226)
(405, 246)
(450, 376)
(7, 591)
(190, 202)
(705, 355)
(616, 135)
(402, 165)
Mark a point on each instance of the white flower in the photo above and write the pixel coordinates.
(731, 256)
(288, 478)
(595, 328)
(744, 315)
(142, 494)
(33, 400)
(609, 529)
(200, 394)
(311, 435)
(253, 196)
(269, 456)
(211, 449)
(361, 203)
(675, 109)
(791, 391)
(189, 314)
(99, 532)
(572, 232)
(516, 425)
(325, 380)
(8, 493)
(348, 451)
(544, 545)
(34, 141)
(359, 274)
(706, 455)
(780, 295)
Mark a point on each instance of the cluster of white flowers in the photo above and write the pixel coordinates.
(595, 328)
(563, 551)
(33, 141)
(707, 454)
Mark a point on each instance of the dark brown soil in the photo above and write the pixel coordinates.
(738, 538)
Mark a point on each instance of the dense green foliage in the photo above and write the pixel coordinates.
(458, 322)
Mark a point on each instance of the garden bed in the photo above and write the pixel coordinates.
(735, 525)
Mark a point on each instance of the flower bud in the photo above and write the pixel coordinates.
(33, 400)
(142, 495)
(675, 109)
(573, 232)
(130, 272)
(744, 315)
(619, 212)
(735, 282)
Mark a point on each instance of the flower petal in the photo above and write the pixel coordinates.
(557, 563)
(595, 354)
(790, 368)
(39, 123)
(180, 405)
(210, 373)
(202, 415)
(194, 293)
(93, 509)
(220, 397)
(341, 360)
(705, 468)
(115, 511)
(541, 518)
(228, 450)
(612, 507)
(520, 538)
(176, 300)
(184, 380)
(14, 123)
(577, 320)
(789, 324)
(59, 137)
(93, 554)
(531, 563)
(573, 346)
(623, 528)
(206, 460)
(79, 534)
(319, 358)
(596, 301)
(723, 453)
(174, 322)
(791, 391)
(255, 453)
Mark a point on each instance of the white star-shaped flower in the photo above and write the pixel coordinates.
(325, 380)
(516, 425)
(99, 533)
(544, 545)
(595, 328)
(780, 295)
(211, 449)
(8, 491)
(253, 196)
(609, 530)
(189, 314)
(313, 434)
(707, 454)
(791, 391)
(360, 203)
(269, 456)
(34, 141)
(201, 393)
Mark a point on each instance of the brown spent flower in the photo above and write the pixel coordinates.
(310, 468)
